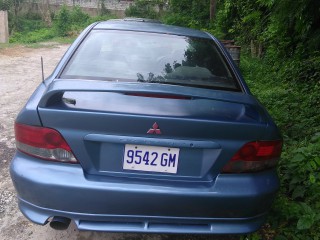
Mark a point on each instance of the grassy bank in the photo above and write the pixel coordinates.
(294, 106)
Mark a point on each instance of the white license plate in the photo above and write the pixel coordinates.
(151, 158)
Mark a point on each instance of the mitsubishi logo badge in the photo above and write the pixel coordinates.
(155, 129)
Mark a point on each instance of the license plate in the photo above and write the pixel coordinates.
(151, 158)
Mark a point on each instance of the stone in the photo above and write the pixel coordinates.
(4, 29)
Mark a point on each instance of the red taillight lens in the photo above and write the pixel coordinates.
(255, 156)
(45, 143)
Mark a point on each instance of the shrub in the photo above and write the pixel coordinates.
(62, 21)
(34, 36)
(292, 103)
(78, 17)
(142, 9)
(5, 5)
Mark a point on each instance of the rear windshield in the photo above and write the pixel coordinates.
(128, 56)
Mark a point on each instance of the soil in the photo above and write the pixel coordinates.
(20, 74)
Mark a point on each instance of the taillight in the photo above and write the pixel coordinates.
(255, 156)
(45, 143)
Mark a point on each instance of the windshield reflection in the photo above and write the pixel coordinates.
(148, 57)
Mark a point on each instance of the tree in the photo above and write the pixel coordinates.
(189, 13)
(213, 5)
(44, 8)
(5, 5)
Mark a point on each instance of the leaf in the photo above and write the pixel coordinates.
(305, 222)
(306, 208)
(298, 192)
(298, 157)
(312, 178)
(316, 137)
(313, 165)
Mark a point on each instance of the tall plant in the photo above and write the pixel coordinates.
(143, 9)
(189, 13)
(5, 5)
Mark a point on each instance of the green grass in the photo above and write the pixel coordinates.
(7, 45)
(52, 43)
(66, 26)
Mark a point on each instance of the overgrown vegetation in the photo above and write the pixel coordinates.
(142, 9)
(287, 81)
(5, 5)
(293, 104)
(32, 27)
(281, 63)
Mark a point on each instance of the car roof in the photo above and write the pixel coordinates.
(145, 25)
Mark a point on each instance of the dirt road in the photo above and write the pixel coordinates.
(20, 73)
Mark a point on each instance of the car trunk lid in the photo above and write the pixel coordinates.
(103, 121)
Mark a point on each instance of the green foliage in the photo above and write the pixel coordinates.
(243, 20)
(100, 18)
(66, 23)
(5, 5)
(143, 9)
(287, 83)
(33, 37)
(188, 13)
(63, 21)
(295, 25)
(103, 9)
(152, 9)
(285, 28)
(302, 69)
(24, 26)
(77, 16)
(294, 105)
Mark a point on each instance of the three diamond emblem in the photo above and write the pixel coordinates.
(155, 129)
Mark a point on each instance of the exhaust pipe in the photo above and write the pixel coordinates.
(60, 223)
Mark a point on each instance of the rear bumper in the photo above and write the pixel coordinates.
(146, 224)
(233, 204)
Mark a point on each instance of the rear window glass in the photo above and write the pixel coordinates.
(150, 58)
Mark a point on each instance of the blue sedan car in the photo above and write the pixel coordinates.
(144, 127)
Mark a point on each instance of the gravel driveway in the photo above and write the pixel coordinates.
(20, 73)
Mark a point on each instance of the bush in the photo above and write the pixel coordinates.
(63, 21)
(5, 5)
(142, 9)
(66, 23)
(296, 212)
(33, 37)
(78, 17)
(186, 13)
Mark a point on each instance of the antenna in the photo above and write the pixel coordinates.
(42, 70)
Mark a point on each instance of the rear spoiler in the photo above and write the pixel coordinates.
(58, 87)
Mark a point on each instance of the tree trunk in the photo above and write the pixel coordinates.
(260, 50)
(44, 8)
(213, 4)
(253, 48)
(160, 8)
